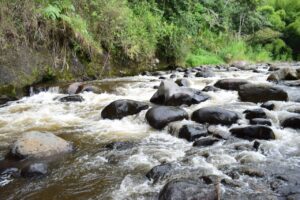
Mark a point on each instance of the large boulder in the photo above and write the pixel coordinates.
(292, 122)
(191, 132)
(230, 84)
(159, 117)
(253, 132)
(284, 74)
(215, 115)
(188, 189)
(261, 93)
(39, 145)
(122, 108)
(170, 94)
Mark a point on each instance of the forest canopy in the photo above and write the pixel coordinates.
(190, 32)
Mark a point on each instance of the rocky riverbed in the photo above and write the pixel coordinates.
(210, 132)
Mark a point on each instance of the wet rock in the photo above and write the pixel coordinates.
(39, 145)
(240, 64)
(256, 145)
(215, 115)
(210, 88)
(230, 84)
(292, 122)
(122, 108)
(183, 82)
(188, 189)
(284, 74)
(171, 94)
(5, 99)
(191, 132)
(90, 88)
(120, 145)
(268, 105)
(75, 88)
(146, 73)
(159, 171)
(71, 98)
(35, 170)
(179, 69)
(261, 93)
(159, 117)
(292, 83)
(253, 132)
(251, 171)
(162, 77)
(219, 132)
(255, 113)
(204, 74)
(259, 121)
(204, 142)
(173, 76)
(158, 73)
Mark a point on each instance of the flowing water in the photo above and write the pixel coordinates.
(95, 172)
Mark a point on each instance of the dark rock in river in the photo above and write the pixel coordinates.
(39, 145)
(268, 105)
(253, 132)
(34, 170)
(204, 74)
(122, 108)
(159, 117)
(71, 98)
(210, 88)
(159, 171)
(90, 88)
(292, 122)
(204, 142)
(215, 115)
(4, 99)
(183, 82)
(255, 113)
(259, 121)
(230, 84)
(191, 132)
(171, 94)
(120, 145)
(188, 189)
(261, 93)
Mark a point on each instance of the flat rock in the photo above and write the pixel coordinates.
(255, 113)
(71, 98)
(261, 93)
(191, 132)
(253, 132)
(230, 84)
(39, 145)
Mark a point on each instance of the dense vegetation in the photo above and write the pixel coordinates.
(103, 36)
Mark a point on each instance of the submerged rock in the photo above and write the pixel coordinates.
(215, 115)
(183, 82)
(261, 93)
(122, 108)
(260, 121)
(71, 98)
(255, 113)
(204, 142)
(292, 122)
(159, 117)
(253, 132)
(39, 145)
(35, 170)
(171, 94)
(191, 132)
(159, 171)
(230, 84)
(268, 105)
(120, 145)
(210, 88)
(188, 189)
